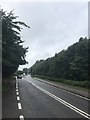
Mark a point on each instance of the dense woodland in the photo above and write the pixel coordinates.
(13, 52)
(69, 64)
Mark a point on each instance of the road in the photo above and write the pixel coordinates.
(37, 99)
(31, 98)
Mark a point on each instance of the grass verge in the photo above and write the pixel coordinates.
(6, 83)
(81, 85)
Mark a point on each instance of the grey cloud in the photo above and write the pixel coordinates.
(54, 26)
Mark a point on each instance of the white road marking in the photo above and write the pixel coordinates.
(64, 90)
(16, 84)
(77, 95)
(16, 87)
(21, 117)
(19, 106)
(62, 101)
(17, 93)
(16, 90)
(18, 98)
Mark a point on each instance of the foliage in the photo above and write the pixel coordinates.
(19, 72)
(67, 64)
(84, 84)
(25, 71)
(13, 52)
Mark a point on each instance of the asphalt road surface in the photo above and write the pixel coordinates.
(36, 99)
(40, 100)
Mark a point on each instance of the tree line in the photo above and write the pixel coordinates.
(69, 64)
(13, 52)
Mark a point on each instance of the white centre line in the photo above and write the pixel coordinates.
(18, 98)
(19, 106)
(62, 101)
(21, 117)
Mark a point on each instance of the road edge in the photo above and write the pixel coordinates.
(68, 89)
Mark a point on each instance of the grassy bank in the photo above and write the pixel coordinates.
(82, 84)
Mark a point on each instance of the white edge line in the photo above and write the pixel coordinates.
(18, 98)
(17, 93)
(62, 101)
(21, 117)
(19, 106)
(65, 90)
(16, 87)
(76, 94)
(16, 90)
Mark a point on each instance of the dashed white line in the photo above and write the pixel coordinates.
(19, 106)
(17, 93)
(16, 87)
(21, 117)
(62, 101)
(16, 90)
(18, 98)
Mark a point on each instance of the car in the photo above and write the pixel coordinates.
(19, 77)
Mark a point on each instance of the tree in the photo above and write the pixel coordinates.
(13, 52)
(67, 64)
(25, 70)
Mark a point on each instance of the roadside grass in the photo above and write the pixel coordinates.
(6, 83)
(3, 88)
(80, 85)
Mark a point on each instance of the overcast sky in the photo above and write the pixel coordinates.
(54, 26)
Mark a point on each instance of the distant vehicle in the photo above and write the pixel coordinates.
(19, 77)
